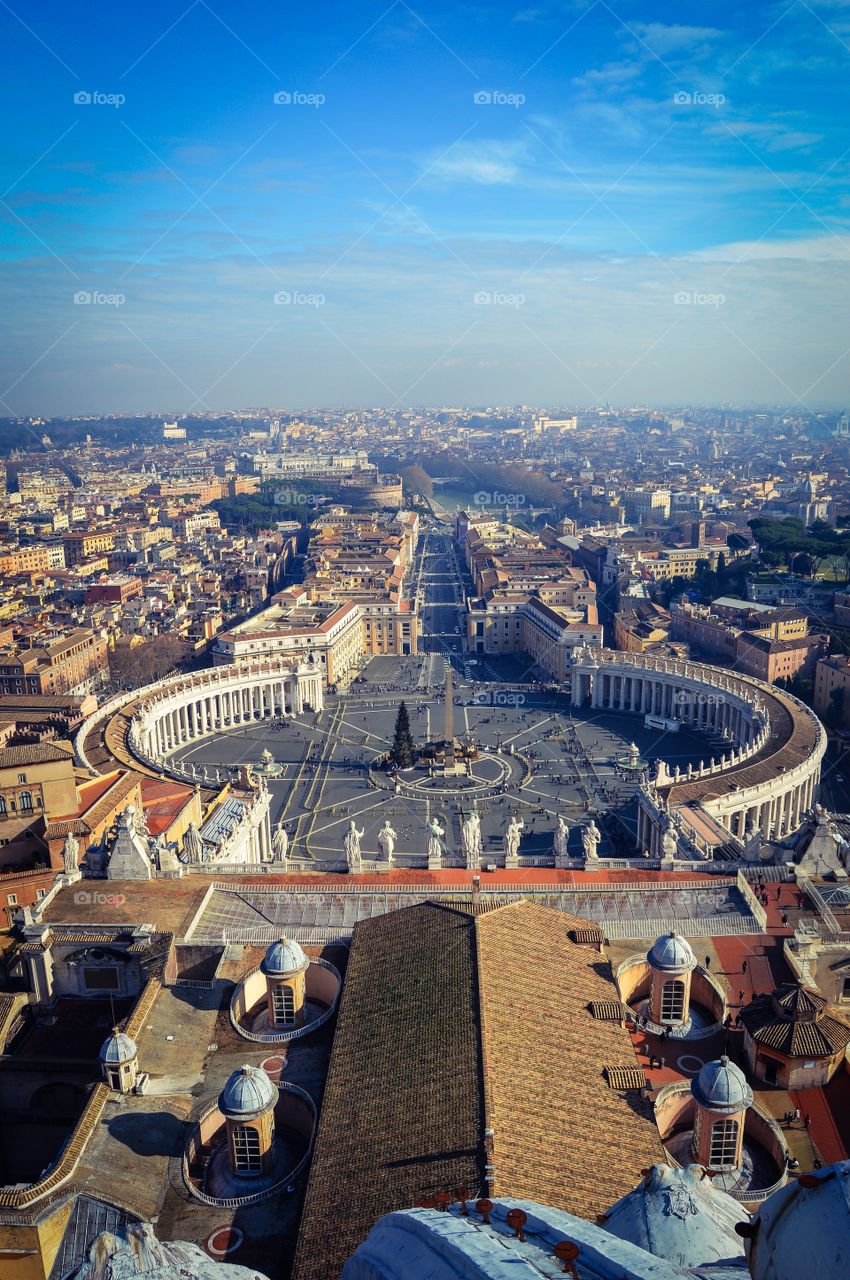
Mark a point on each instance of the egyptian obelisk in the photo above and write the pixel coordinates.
(449, 722)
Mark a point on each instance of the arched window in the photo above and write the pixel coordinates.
(2, 806)
(246, 1150)
(673, 1000)
(724, 1144)
(25, 799)
(283, 1003)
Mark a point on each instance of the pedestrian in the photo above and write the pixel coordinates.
(778, 892)
(741, 996)
(744, 965)
(807, 1120)
(708, 962)
(797, 1115)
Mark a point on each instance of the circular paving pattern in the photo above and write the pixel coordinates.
(690, 1064)
(489, 775)
(225, 1240)
(538, 758)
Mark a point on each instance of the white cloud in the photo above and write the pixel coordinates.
(773, 135)
(676, 38)
(825, 248)
(486, 163)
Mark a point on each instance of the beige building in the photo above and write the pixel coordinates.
(758, 640)
(641, 626)
(72, 663)
(351, 604)
(832, 690)
(79, 546)
(514, 621)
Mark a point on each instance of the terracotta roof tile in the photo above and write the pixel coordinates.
(455, 1017)
(555, 1118)
(36, 753)
(402, 1116)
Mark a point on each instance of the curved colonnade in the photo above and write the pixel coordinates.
(186, 708)
(761, 781)
(763, 785)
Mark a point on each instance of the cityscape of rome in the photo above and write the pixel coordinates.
(425, 642)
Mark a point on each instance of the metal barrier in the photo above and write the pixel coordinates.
(265, 1193)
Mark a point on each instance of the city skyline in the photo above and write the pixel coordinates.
(567, 204)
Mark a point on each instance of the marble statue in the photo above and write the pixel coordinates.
(386, 841)
(70, 850)
(590, 837)
(436, 845)
(662, 774)
(512, 839)
(280, 843)
(351, 847)
(471, 837)
(193, 845)
(136, 1254)
(669, 843)
(561, 841)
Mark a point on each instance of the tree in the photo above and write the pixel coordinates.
(402, 751)
(835, 711)
(132, 666)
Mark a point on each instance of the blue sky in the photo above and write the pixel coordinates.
(568, 203)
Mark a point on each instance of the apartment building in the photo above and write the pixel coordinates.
(80, 546)
(71, 663)
(767, 643)
(832, 690)
(641, 626)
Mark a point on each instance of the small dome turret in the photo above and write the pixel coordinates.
(118, 1049)
(247, 1094)
(722, 1087)
(671, 953)
(284, 957)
